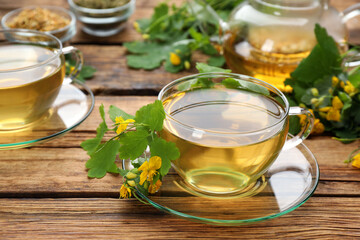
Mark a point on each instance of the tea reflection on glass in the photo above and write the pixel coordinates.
(227, 137)
(32, 70)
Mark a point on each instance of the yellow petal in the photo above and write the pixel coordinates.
(318, 127)
(335, 81)
(125, 192)
(151, 175)
(129, 121)
(324, 109)
(153, 188)
(155, 163)
(337, 103)
(144, 166)
(174, 59)
(119, 120)
(143, 177)
(356, 161)
(333, 115)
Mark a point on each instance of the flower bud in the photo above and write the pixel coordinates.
(131, 183)
(314, 101)
(314, 92)
(187, 65)
(131, 175)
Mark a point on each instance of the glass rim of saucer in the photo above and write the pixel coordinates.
(222, 74)
(315, 174)
(90, 99)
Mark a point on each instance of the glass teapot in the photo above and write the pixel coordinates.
(267, 39)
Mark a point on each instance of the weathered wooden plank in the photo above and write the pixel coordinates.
(58, 166)
(319, 218)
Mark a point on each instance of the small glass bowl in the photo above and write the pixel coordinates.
(64, 34)
(103, 22)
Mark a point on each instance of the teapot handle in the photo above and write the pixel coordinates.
(353, 58)
(351, 12)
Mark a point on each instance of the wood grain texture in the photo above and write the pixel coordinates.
(57, 168)
(94, 218)
(45, 192)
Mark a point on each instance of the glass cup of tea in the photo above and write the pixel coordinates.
(229, 129)
(32, 70)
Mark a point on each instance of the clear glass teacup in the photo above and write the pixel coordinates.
(32, 70)
(229, 129)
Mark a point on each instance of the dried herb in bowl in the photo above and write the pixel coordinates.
(40, 19)
(100, 4)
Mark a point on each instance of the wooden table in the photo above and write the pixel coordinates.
(45, 192)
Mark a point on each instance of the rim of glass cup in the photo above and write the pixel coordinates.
(56, 55)
(220, 74)
(63, 29)
(95, 11)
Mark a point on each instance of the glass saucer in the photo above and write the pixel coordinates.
(290, 181)
(71, 107)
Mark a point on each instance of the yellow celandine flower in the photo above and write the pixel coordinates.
(318, 126)
(122, 124)
(125, 192)
(356, 161)
(337, 103)
(149, 169)
(153, 188)
(350, 89)
(145, 36)
(174, 59)
(137, 27)
(333, 112)
(335, 81)
(333, 115)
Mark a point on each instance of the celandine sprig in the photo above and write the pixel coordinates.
(134, 135)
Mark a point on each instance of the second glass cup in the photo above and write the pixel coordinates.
(229, 129)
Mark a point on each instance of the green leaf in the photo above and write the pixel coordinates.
(216, 61)
(355, 79)
(324, 60)
(245, 85)
(133, 144)
(90, 145)
(230, 83)
(160, 11)
(103, 160)
(117, 112)
(149, 61)
(167, 151)
(294, 125)
(204, 68)
(146, 55)
(123, 172)
(152, 115)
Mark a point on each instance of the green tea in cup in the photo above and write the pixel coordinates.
(229, 129)
(32, 70)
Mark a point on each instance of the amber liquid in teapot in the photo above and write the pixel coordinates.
(267, 39)
(265, 55)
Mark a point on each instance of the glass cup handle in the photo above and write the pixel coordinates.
(353, 60)
(306, 129)
(78, 58)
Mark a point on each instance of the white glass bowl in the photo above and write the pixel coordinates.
(64, 34)
(103, 22)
